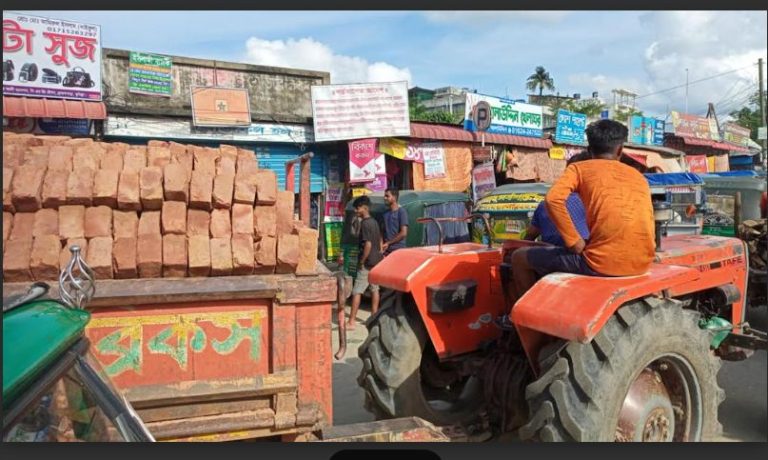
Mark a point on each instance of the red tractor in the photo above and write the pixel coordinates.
(593, 359)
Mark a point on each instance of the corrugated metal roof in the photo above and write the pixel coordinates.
(53, 108)
(452, 133)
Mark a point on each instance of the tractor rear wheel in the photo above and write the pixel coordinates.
(402, 375)
(648, 375)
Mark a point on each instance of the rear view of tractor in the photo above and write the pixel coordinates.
(589, 359)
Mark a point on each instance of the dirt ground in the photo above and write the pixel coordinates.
(744, 413)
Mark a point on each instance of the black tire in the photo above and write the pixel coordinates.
(391, 376)
(582, 386)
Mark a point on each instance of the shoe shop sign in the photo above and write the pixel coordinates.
(51, 58)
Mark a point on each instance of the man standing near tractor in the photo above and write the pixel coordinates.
(395, 223)
(370, 255)
(617, 200)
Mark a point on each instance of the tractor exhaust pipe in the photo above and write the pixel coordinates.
(662, 215)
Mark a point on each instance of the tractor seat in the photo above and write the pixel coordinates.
(574, 307)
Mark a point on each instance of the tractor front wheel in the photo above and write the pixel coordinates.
(649, 375)
(402, 375)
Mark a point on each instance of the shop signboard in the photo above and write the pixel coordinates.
(483, 180)
(570, 127)
(334, 203)
(150, 74)
(646, 130)
(434, 160)
(557, 153)
(354, 111)
(221, 107)
(362, 164)
(51, 58)
(55, 126)
(736, 134)
(697, 163)
(507, 116)
(687, 125)
(393, 147)
(333, 240)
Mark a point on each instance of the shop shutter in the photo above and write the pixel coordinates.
(274, 157)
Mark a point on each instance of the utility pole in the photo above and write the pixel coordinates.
(686, 90)
(761, 96)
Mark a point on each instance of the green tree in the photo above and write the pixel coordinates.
(749, 115)
(540, 79)
(417, 112)
(623, 114)
(589, 107)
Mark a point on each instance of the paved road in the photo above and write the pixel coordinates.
(744, 413)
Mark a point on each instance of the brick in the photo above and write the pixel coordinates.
(308, 241)
(85, 158)
(221, 256)
(16, 261)
(99, 257)
(198, 223)
(72, 222)
(44, 258)
(245, 188)
(174, 218)
(182, 156)
(120, 147)
(242, 220)
(112, 159)
(27, 187)
(157, 143)
(176, 183)
(174, 256)
(242, 254)
(223, 191)
(264, 221)
(52, 141)
(205, 159)
(134, 159)
(199, 249)
(284, 208)
(287, 253)
(228, 150)
(124, 264)
(128, 197)
(125, 224)
(150, 258)
(201, 190)
(265, 252)
(105, 184)
(149, 223)
(7, 181)
(13, 155)
(80, 187)
(36, 156)
(54, 192)
(46, 223)
(60, 157)
(151, 187)
(226, 164)
(221, 225)
(246, 161)
(7, 226)
(66, 255)
(79, 141)
(158, 156)
(266, 187)
(23, 226)
(98, 221)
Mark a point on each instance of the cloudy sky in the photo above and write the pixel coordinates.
(644, 52)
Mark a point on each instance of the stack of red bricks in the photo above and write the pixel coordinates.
(160, 210)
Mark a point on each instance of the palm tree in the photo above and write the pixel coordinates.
(540, 79)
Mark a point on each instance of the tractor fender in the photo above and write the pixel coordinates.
(575, 307)
(457, 292)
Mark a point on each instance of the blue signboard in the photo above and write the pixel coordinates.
(70, 126)
(646, 131)
(570, 127)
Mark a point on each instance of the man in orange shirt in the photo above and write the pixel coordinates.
(617, 200)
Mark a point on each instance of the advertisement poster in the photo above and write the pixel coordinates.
(334, 204)
(570, 127)
(434, 160)
(697, 163)
(342, 112)
(736, 134)
(393, 147)
(51, 58)
(557, 153)
(687, 125)
(150, 74)
(483, 180)
(362, 164)
(507, 116)
(646, 130)
(333, 241)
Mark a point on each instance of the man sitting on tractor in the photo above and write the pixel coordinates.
(617, 200)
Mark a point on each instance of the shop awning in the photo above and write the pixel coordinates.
(53, 108)
(451, 133)
(651, 159)
(725, 146)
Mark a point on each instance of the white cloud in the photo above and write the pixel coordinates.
(309, 54)
(479, 18)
